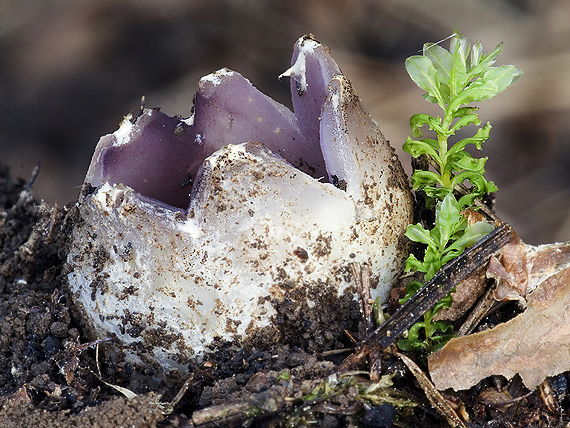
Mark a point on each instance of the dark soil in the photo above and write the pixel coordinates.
(53, 375)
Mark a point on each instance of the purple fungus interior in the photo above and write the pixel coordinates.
(312, 68)
(160, 156)
(153, 156)
(229, 110)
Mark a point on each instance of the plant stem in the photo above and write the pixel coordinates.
(442, 140)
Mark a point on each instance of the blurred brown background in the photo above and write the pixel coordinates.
(70, 70)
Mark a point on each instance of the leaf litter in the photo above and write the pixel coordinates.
(536, 343)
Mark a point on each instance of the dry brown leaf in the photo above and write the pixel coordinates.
(510, 270)
(535, 344)
(520, 268)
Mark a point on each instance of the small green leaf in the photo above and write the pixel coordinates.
(430, 98)
(441, 60)
(422, 71)
(438, 340)
(440, 343)
(502, 76)
(426, 146)
(417, 121)
(459, 48)
(476, 92)
(447, 217)
(478, 139)
(283, 375)
(466, 119)
(414, 331)
(416, 148)
(456, 83)
(445, 302)
(434, 194)
(407, 345)
(463, 161)
(443, 327)
(417, 233)
(421, 179)
(412, 263)
(377, 313)
(464, 111)
(473, 233)
(481, 187)
(432, 262)
(486, 62)
(476, 54)
(477, 231)
(445, 93)
(468, 200)
(411, 289)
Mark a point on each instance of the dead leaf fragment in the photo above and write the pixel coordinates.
(535, 344)
(520, 268)
(510, 271)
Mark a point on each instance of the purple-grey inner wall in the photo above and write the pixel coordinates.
(163, 154)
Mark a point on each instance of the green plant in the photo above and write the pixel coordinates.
(453, 79)
(446, 240)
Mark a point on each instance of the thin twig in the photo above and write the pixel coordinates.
(361, 276)
(336, 352)
(33, 177)
(511, 401)
(436, 399)
(261, 405)
(479, 312)
(169, 408)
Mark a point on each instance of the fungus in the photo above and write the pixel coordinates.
(241, 221)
